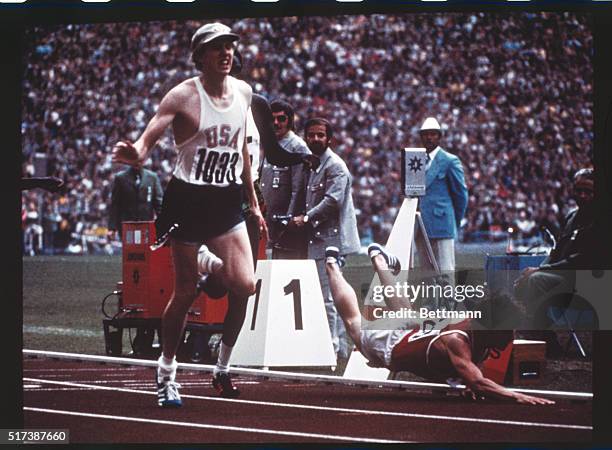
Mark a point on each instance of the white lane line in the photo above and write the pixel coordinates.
(335, 409)
(301, 377)
(138, 386)
(104, 381)
(59, 331)
(151, 384)
(215, 427)
(302, 385)
(57, 389)
(104, 378)
(113, 370)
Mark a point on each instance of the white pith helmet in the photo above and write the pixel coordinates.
(431, 124)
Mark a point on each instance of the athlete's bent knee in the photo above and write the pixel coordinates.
(245, 288)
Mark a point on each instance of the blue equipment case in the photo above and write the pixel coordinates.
(502, 270)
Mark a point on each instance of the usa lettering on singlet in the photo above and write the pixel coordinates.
(213, 155)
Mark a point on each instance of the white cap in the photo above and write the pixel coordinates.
(431, 124)
(210, 31)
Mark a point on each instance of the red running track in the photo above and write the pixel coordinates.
(102, 403)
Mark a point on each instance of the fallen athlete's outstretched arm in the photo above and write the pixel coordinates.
(136, 153)
(460, 356)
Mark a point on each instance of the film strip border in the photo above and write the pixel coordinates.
(116, 2)
(302, 3)
(17, 14)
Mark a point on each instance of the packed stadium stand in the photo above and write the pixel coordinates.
(514, 93)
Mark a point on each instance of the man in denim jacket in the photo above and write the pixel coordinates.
(330, 217)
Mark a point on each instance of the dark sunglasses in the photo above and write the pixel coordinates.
(281, 118)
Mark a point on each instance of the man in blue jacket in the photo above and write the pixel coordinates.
(445, 201)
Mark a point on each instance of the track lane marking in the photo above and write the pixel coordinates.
(332, 409)
(61, 331)
(291, 376)
(185, 383)
(215, 427)
(85, 369)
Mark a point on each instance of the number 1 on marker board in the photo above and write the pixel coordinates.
(292, 288)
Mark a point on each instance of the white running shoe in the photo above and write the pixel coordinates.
(393, 263)
(167, 391)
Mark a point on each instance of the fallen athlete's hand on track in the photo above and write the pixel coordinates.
(531, 400)
(125, 152)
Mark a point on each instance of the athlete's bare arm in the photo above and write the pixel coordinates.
(246, 175)
(247, 180)
(136, 153)
(460, 356)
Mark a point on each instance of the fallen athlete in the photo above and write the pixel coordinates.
(437, 355)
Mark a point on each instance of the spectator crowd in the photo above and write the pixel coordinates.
(513, 92)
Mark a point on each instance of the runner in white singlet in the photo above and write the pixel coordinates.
(208, 115)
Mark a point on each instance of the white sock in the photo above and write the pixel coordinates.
(167, 367)
(225, 352)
